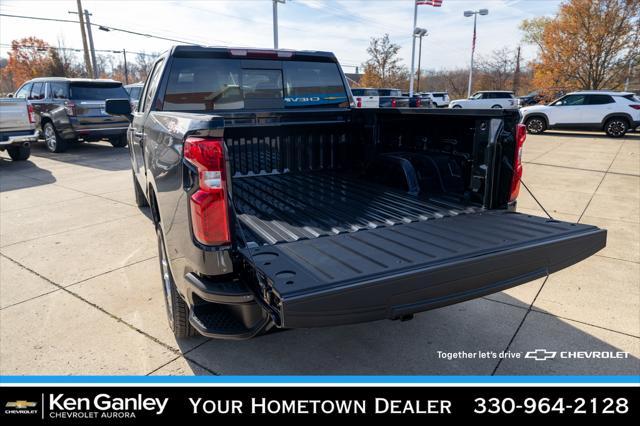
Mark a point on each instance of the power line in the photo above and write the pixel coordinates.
(33, 46)
(100, 26)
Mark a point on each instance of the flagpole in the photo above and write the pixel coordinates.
(413, 46)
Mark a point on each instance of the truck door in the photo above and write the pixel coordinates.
(136, 130)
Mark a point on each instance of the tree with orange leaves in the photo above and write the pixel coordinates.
(29, 58)
(589, 44)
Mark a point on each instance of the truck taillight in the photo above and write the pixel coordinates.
(31, 113)
(418, 103)
(359, 102)
(521, 136)
(70, 108)
(394, 103)
(209, 208)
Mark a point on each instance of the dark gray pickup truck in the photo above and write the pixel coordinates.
(277, 204)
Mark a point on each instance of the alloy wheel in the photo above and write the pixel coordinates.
(616, 128)
(535, 125)
(50, 137)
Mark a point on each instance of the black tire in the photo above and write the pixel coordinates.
(456, 106)
(496, 106)
(141, 200)
(53, 140)
(535, 125)
(177, 308)
(19, 153)
(119, 142)
(616, 127)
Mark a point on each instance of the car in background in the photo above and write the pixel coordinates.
(72, 109)
(419, 100)
(392, 98)
(533, 98)
(366, 97)
(440, 99)
(496, 99)
(613, 112)
(17, 128)
(134, 90)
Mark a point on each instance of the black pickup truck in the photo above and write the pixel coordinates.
(277, 204)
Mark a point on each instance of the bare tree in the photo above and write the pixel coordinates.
(497, 69)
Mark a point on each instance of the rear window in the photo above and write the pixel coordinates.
(203, 84)
(389, 92)
(364, 92)
(134, 92)
(632, 97)
(96, 92)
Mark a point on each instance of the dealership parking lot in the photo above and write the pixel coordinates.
(80, 287)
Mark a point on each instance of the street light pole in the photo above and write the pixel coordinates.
(275, 22)
(419, 32)
(473, 48)
(475, 13)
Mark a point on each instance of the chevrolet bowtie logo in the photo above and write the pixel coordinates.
(540, 355)
(20, 404)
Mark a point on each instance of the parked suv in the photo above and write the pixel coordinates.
(613, 112)
(69, 109)
(440, 99)
(495, 99)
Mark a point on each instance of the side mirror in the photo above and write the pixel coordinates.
(9, 95)
(118, 107)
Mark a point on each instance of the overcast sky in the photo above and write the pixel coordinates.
(341, 26)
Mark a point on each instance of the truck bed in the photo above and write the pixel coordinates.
(289, 207)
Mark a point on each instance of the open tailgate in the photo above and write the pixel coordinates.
(390, 272)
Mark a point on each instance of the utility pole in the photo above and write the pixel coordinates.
(93, 50)
(275, 22)
(126, 71)
(626, 82)
(516, 74)
(87, 61)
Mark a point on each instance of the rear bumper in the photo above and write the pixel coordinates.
(223, 309)
(100, 133)
(95, 130)
(18, 139)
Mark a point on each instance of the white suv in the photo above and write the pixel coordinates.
(487, 99)
(440, 99)
(613, 112)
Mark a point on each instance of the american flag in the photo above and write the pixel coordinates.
(434, 3)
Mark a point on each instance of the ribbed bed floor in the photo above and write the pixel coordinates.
(289, 207)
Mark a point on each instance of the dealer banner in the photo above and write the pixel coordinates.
(128, 405)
